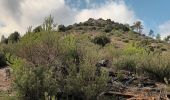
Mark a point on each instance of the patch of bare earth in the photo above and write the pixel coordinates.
(5, 80)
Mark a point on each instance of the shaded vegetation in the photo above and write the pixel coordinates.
(101, 40)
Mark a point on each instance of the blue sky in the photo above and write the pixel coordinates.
(17, 15)
(152, 12)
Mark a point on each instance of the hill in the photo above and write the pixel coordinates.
(117, 32)
(93, 60)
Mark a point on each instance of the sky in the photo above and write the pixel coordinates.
(18, 15)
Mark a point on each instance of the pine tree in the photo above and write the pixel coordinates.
(158, 36)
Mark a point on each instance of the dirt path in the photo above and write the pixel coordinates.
(4, 81)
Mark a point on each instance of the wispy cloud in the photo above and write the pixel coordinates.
(115, 10)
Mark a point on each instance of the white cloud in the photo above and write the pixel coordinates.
(164, 29)
(117, 11)
(32, 12)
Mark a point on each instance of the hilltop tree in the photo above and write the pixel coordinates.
(37, 29)
(137, 26)
(14, 37)
(48, 24)
(167, 39)
(158, 36)
(4, 40)
(61, 28)
(151, 33)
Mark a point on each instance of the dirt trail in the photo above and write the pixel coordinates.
(4, 81)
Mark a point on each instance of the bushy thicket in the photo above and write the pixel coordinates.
(13, 38)
(2, 60)
(60, 67)
(101, 40)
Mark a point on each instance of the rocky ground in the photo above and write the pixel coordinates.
(5, 80)
(131, 87)
(126, 85)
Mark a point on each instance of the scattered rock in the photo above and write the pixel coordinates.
(5, 80)
(131, 87)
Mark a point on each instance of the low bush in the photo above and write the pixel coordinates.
(101, 40)
(2, 60)
(129, 63)
(61, 28)
(108, 28)
(37, 29)
(61, 67)
(125, 40)
(157, 67)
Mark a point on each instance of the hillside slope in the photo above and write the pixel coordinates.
(93, 60)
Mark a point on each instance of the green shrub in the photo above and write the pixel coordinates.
(49, 65)
(14, 37)
(101, 40)
(108, 28)
(2, 60)
(131, 50)
(54, 64)
(32, 82)
(129, 63)
(4, 40)
(61, 28)
(125, 40)
(157, 67)
(37, 29)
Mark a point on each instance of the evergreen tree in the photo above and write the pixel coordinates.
(4, 40)
(158, 36)
(137, 26)
(167, 39)
(14, 37)
(151, 33)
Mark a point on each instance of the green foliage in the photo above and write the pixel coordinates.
(101, 40)
(127, 63)
(37, 29)
(14, 37)
(4, 96)
(108, 28)
(125, 40)
(4, 40)
(29, 30)
(30, 80)
(158, 37)
(167, 39)
(131, 50)
(49, 65)
(85, 83)
(61, 28)
(48, 24)
(57, 64)
(151, 33)
(137, 26)
(157, 67)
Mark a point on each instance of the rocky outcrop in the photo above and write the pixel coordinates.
(125, 85)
